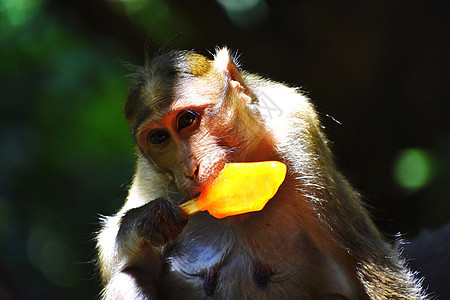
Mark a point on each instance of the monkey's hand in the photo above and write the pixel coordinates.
(159, 222)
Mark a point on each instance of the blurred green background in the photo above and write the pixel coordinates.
(378, 67)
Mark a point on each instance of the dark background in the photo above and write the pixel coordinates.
(380, 68)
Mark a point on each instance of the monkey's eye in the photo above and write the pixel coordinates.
(186, 118)
(158, 137)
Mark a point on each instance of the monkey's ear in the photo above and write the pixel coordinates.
(224, 63)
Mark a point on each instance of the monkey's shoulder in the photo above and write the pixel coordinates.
(277, 100)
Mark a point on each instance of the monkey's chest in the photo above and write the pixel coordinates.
(223, 267)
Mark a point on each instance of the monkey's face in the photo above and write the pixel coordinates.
(194, 139)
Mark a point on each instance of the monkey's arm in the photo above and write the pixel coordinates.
(129, 247)
(129, 242)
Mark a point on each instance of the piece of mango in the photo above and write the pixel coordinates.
(239, 188)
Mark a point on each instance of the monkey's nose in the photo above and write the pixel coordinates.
(192, 171)
(196, 172)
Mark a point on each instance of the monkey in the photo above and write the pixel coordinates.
(190, 115)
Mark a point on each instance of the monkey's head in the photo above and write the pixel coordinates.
(190, 115)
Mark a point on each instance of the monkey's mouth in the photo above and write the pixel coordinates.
(188, 198)
(195, 194)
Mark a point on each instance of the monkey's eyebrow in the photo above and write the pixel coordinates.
(148, 115)
(143, 115)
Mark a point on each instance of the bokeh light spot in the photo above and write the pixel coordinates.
(17, 12)
(53, 257)
(245, 13)
(413, 169)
